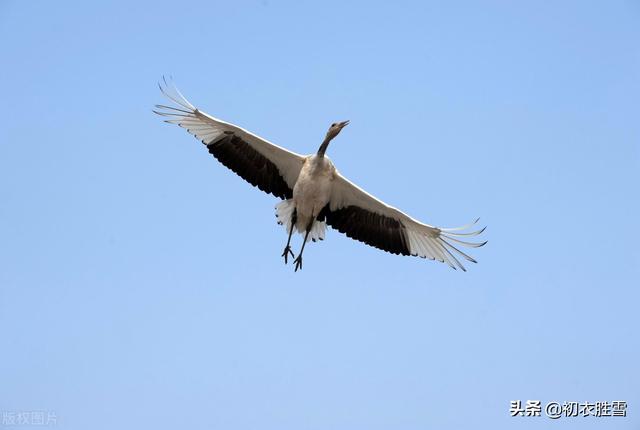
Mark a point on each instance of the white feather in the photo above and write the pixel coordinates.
(284, 211)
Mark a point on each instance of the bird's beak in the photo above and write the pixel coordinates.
(343, 124)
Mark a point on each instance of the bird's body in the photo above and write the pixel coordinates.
(312, 190)
(314, 194)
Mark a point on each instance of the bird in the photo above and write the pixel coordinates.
(313, 192)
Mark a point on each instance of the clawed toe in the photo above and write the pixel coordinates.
(285, 254)
(298, 262)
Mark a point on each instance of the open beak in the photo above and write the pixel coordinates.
(343, 124)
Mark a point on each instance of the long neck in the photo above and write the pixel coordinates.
(323, 147)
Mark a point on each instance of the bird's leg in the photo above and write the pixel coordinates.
(298, 260)
(287, 249)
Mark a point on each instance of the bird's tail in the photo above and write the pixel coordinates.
(284, 211)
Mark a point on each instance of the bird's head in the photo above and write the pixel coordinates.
(335, 129)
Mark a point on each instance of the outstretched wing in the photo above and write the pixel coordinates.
(263, 164)
(363, 217)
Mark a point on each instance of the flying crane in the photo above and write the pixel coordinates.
(313, 193)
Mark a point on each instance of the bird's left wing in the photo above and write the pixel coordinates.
(263, 164)
(363, 217)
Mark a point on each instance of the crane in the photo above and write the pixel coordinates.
(313, 193)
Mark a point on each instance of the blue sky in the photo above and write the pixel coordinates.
(141, 283)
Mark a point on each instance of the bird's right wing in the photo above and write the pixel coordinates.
(363, 217)
(263, 164)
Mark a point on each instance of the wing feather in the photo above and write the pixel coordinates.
(363, 217)
(263, 164)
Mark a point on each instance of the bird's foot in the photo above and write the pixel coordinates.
(298, 263)
(285, 254)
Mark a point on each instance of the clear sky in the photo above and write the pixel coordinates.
(141, 283)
